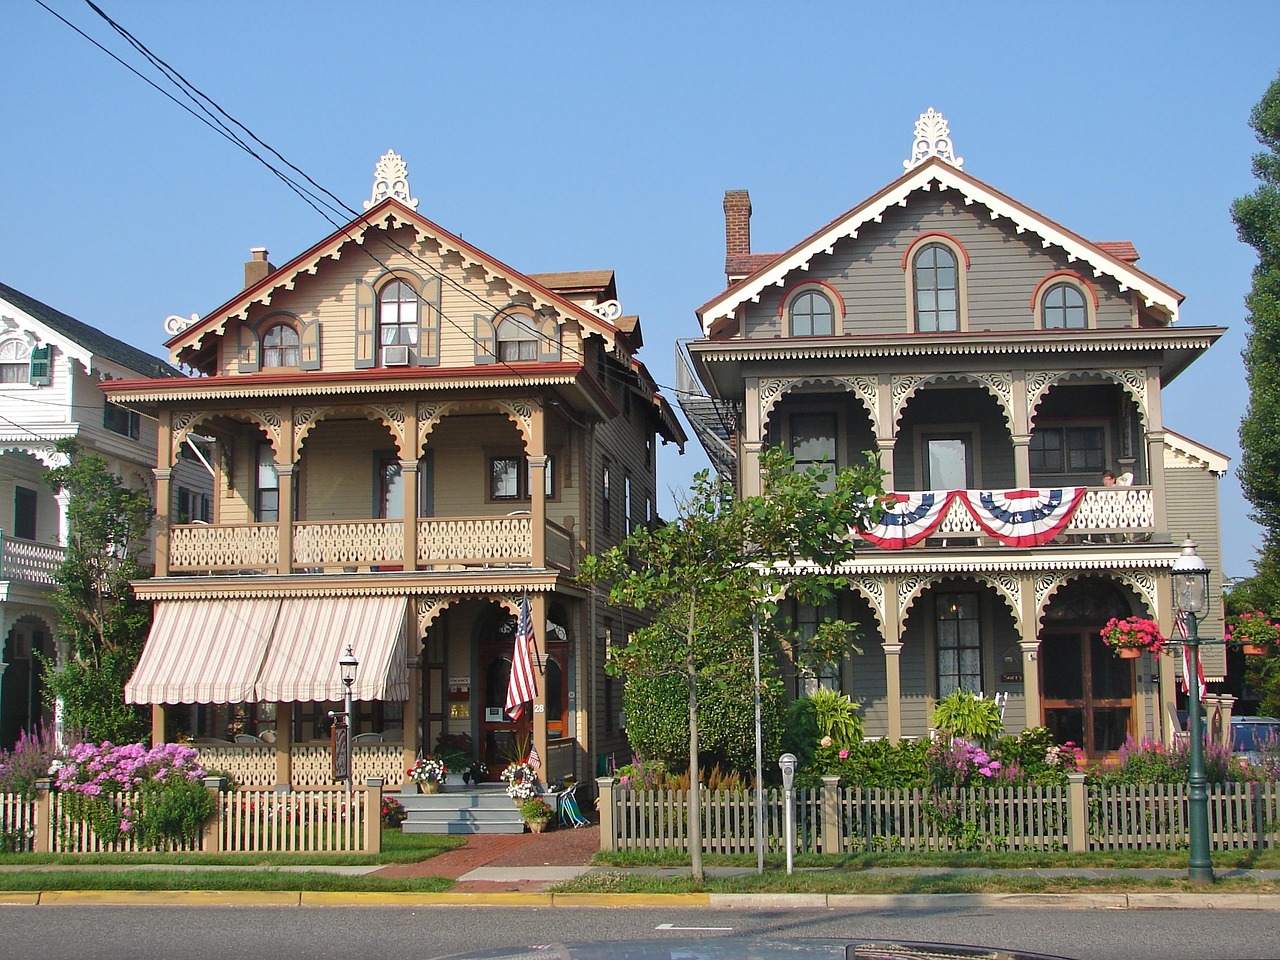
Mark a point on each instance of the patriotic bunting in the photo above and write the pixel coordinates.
(1022, 518)
(908, 518)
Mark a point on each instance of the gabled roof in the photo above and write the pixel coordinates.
(1210, 459)
(93, 340)
(936, 172)
(388, 214)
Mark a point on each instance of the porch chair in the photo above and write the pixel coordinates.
(570, 814)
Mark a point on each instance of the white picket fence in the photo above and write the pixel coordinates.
(835, 819)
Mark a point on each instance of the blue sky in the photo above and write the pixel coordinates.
(569, 136)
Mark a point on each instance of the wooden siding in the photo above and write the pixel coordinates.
(1005, 269)
(1191, 495)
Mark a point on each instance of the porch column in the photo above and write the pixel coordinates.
(411, 713)
(893, 688)
(537, 457)
(409, 480)
(885, 446)
(1167, 662)
(1029, 641)
(538, 611)
(164, 475)
(164, 496)
(284, 744)
(1022, 460)
(157, 724)
(1155, 475)
(752, 439)
(284, 471)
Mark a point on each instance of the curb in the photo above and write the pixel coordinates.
(724, 901)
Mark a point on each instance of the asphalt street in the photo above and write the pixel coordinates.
(318, 933)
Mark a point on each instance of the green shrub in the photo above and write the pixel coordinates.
(879, 763)
(968, 716)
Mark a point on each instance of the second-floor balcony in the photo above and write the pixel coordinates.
(26, 561)
(1024, 518)
(330, 546)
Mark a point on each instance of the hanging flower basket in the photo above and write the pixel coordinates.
(1254, 631)
(1131, 637)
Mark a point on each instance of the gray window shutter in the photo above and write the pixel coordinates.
(366, 323)
(249, 355)
(486, 340)
(549, 341)
(42, 365)
(429, 324)
(309, 344)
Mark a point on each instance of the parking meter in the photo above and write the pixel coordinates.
(787, 764)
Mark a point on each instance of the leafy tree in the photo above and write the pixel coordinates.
(1257, 219)
(101, 625)
(704, 574)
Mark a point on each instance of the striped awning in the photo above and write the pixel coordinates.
(311, 635)
(203, 651)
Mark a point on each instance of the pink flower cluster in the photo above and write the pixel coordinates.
(967, 760)
(1133, 632)
(94, 769)
(1253, 628)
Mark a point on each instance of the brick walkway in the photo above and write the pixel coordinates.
(563, 847)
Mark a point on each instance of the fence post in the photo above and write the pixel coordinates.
(212, 841)
(1077, 814)
(608, 835)
(373, 815)
(44, 816)
(832, 841)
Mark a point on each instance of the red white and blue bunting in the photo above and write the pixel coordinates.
(1022, 518)
(1017, 518)
(908, 518)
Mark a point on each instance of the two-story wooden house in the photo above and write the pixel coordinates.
(51, 369)
(996, 364)
(407, 437)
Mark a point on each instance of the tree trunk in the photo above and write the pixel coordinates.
(695, 784)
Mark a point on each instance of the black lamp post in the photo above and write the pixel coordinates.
(1190, 578)
(348, 665)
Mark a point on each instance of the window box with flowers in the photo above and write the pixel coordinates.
(1128, 638)
(428, 774)
(1255, 633)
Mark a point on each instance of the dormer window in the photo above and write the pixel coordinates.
(280, 346)
(397, 323)
(1063, 308)
(812, 315)
(517, 339)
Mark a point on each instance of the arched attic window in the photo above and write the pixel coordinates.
(517, 339)
(936, 282)
(398, 307)
(811, 314)
(280, 346)
(1063, 307)
(15, 362)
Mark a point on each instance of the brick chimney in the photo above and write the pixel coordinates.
(257, 268)
(737, 223)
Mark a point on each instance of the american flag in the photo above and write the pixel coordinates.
(535, 758)
(523, 685)
(1180, 623)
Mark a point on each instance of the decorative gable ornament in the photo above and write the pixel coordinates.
(933, 139)
(391, 179)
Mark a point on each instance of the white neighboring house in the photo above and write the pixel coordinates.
(50, 368)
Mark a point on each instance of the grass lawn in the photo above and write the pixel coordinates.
(255, 880)
(397, 847)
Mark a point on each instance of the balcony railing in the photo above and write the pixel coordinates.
(25, 561)
(1104, 515)
(354, 545)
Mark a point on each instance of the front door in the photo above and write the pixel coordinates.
(500, 736)
(1086, 691)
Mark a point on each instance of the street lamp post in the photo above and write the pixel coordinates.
(1190, 578)
(348, 664)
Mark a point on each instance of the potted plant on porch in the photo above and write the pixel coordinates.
(428, 774)
(1129, 637)
(535, 814)
(1254, 631)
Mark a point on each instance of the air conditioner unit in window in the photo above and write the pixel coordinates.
(395, 356)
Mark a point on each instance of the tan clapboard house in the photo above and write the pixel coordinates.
(406, 437)
(996, 364)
